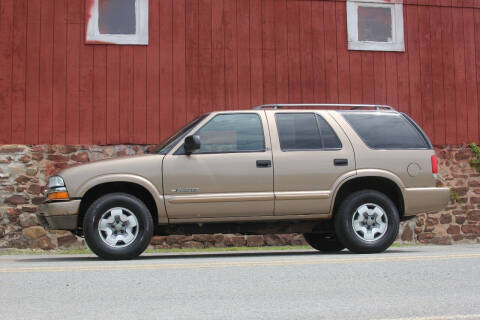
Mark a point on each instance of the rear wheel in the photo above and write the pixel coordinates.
(323, 242)
(367, 222)
(118, 226)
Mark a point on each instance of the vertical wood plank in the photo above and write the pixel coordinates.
(86, 93)
(166, 69)
(218, 56)
(33, 71)
(368, 78)
(140, 95)
(437, 76)
(126, 95)
(343, 60)
(191, 25)
(74, 34)
(379, 70)
(6, 60)
(318, 34)
(99, 94)
(231, 58)
(46, 72)
(19, 69)
(356, 81)
(256, 49)
(449, 75)
(243, 51)
(293, 40)
(113, 95)
(477, 56)
(306, 50)
(471, 75)
(205, 55)
(59, 72)
(460, 76)
(403, 85)
(281, 54)
(268, 35)
(414, 64)
(391, 79)
(426, 70)
(179, 75)
(153, 73)
(331, 52)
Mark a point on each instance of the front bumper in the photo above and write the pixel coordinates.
(423, 200)
(62, 215)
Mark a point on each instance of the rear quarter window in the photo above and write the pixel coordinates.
(386, 130)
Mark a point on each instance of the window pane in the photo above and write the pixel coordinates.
(329, 137)
(232, 133)
(385, 131)
(374, 24)
(116, 16)
(298, 131)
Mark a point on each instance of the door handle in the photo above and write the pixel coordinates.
(340, 162)
(264, 163)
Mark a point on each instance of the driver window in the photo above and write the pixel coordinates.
(228, 133)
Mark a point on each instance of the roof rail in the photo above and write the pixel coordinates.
(351, 106)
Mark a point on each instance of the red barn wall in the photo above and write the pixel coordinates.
(212, 54)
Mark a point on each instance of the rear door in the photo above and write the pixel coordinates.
(310, 154)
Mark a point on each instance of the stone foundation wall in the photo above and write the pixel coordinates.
(24, 170)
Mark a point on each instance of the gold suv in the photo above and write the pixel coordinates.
(343, 178)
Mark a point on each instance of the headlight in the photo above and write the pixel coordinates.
(57, 189)
(55, 182)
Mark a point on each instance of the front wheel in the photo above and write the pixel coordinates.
(367, 222)
(118, 226)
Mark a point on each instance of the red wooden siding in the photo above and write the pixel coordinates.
(228, 54)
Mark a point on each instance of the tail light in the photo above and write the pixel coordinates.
(434, 165)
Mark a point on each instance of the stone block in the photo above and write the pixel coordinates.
(16, 200)
(469, 228)
(28, 219)
(446, 218)
(453, 229)
(34, 232)
(255, 241)
(407, 233)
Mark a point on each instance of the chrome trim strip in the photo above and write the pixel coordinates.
(220, 197)
(301, 195)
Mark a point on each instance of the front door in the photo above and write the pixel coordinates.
(231, 175)
(310, 155)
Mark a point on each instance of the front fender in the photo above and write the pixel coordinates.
(145, 183)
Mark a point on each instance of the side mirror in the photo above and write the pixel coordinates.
(192, 143)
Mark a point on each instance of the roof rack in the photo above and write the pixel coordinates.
(351, 106)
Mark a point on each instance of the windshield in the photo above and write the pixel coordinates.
(169, 143)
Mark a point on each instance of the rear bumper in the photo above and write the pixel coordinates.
(60, 215)
(419, 200)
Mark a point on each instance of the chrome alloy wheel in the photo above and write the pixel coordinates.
(370, 222)
(118, 227)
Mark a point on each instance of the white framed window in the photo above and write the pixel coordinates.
(117, 22)
(375, 25)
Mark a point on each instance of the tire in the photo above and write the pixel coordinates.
(118, 226)
(323, 243)
(367, 222)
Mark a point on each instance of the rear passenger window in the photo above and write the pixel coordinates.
(386, 130)
(305, 131)
(329, 138)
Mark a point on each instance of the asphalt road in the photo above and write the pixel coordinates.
(424, 282)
